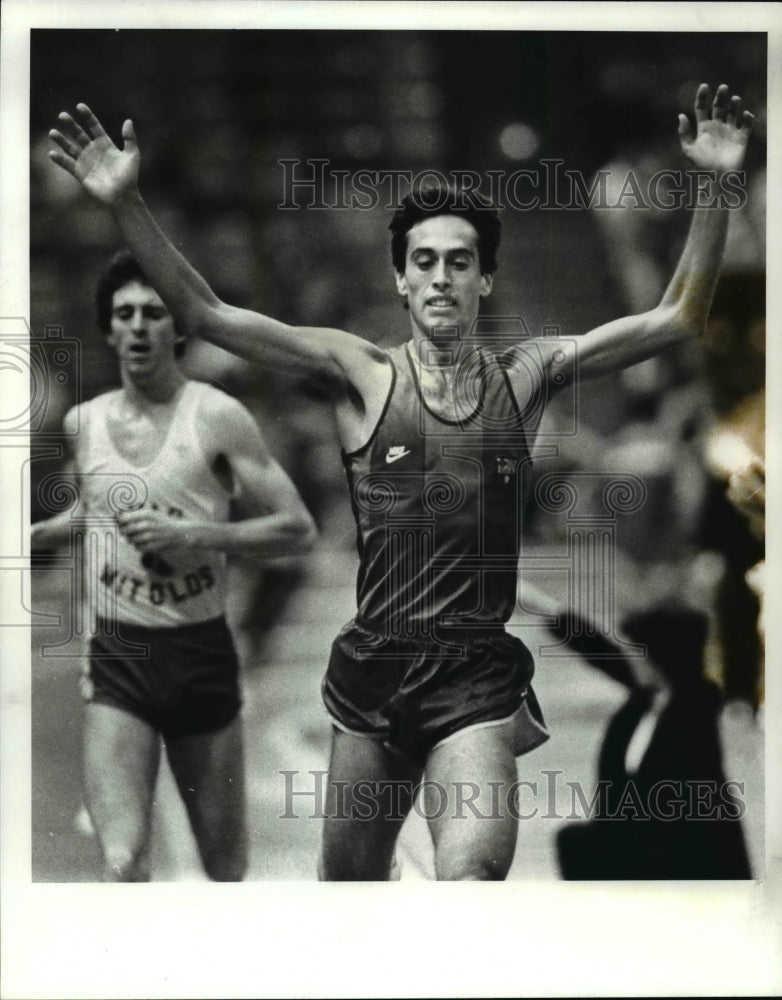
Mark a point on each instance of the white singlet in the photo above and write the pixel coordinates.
(172, 588)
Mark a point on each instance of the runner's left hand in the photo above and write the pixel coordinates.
(722, 129)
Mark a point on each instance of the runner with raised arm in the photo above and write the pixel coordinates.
(436, 439)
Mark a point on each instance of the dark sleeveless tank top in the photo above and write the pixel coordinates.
(438, 503)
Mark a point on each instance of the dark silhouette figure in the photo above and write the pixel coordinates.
(676, 816)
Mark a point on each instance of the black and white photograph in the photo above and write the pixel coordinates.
(383, 442)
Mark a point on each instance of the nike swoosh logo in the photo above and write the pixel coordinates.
(393, 456)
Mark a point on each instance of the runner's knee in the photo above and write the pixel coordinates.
(449, 870)
(483, 858)
(124, 864)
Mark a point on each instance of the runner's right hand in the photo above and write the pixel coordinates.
(86, 152)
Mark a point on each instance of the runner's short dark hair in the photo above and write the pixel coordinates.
(120, 270)
(445, 198)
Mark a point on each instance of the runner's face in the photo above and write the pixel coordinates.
(442, 280)
(142, 330)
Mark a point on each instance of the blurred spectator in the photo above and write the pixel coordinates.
(668, 811)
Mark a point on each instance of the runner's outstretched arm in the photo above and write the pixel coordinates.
(110, 176)
(718, 145)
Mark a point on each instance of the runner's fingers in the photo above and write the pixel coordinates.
(66, 144)
(719, 108)
(702, 102)
(91, 124)
(143, 540)
(76, 132)
(66, 162)
(685, 129)
(132, 528)
(140, 535)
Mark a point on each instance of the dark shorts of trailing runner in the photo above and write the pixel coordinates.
(181, 681)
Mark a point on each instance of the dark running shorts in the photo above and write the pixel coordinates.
(410, 696)
(187, 683)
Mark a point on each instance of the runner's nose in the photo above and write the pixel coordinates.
(441, 277)
(137, 324)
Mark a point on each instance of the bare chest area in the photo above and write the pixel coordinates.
(451, 394)
(139, 436)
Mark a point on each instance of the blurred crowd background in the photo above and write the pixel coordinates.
(216, 112)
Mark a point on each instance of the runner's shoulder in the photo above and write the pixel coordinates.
(352, 352)
(75, 417)
(360, 369)
(222, 418)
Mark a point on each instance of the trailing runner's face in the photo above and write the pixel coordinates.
(142, 329)
(442, 280)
